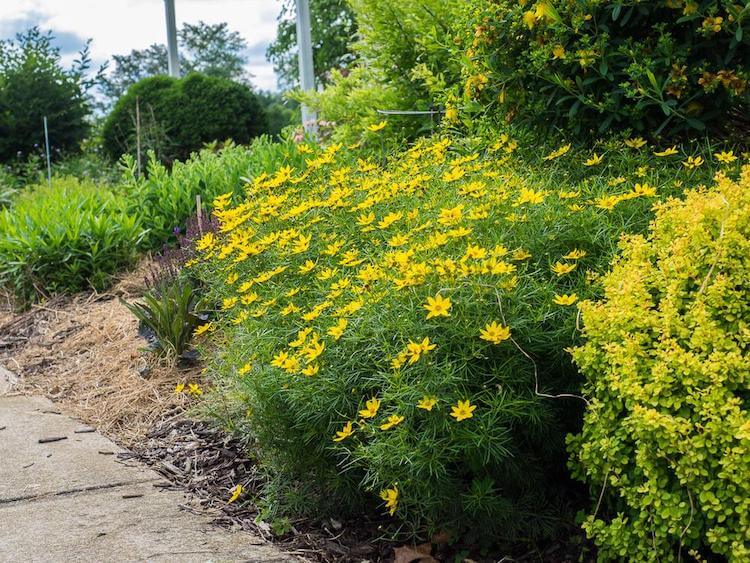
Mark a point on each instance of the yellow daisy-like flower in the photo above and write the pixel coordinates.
(375, 127)
(390, 496)
(565, 299)
(202, 329)
(667, 152)
(558, 52)
(726, 157)
(693, 162)
(561, 269)
(311, 370)
(236, 492)
(194, 389)
(463, 410)
(558, 152)
(179, 388)
(245, 369)
(495, 332)
(337, 330)
(371, 409)
(392, 421)
(438, 306)
(344, 433)
(426, 403)
(575, 254)
(635, 143)
(594, 160)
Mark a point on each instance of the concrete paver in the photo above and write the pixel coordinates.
(71, 500)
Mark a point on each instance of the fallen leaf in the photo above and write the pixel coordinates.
(408, 554)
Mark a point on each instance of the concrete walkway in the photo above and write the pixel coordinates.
(71, 500)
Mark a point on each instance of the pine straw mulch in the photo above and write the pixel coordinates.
(84, 353)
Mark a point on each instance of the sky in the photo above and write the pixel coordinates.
(119, 26)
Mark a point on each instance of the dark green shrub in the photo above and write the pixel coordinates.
(656, 67)
(179, 116)
(68, 237)
(33, 84)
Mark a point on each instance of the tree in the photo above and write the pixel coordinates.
(33, 84)
(180, 115)
(211, 49)
(333, 29)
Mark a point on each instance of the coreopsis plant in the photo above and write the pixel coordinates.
(394, 331)
(666, 438)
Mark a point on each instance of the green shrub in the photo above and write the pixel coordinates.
(325, 273)
(164, 199)
(666, 438)
(656, 67)
(34, 85)
(179, 116)
(67, 237)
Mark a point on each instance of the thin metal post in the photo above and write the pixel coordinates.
(138, 133)
(306, 69)
(173, 59)
(46, 144)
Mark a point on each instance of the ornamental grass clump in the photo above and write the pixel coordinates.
(394, 332)
(666, 438)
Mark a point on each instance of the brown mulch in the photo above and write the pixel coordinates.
(207, 463)
(84, 353)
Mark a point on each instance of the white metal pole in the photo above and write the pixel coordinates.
(173, 58)
(306, 70)
(46, 146)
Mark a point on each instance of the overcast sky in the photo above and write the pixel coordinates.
(118, 26)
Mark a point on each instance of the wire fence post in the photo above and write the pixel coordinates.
(46, 146)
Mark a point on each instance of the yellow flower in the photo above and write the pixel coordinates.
(594, 160)
(727, 157)
(344, 433)
(233, 277)
(179, 388)
(520, 254)
(561, 269)
(245, 369)
(451, 114)
(451, 216)
(377, 126)
(203, 329)
(575, 254)
(558, 52)
(311, 370)
(338, 330)
(558, 152)
(372, 408)
(635, 143)
(667, 152)
(307, 267)
(565, 299)
(494, 332)
(529, 19)
(236, 492)
(392, 421)
(438, 306)
(427, 403)
(195, 389)
(390, 496)
(463, 410)
(280, 359)
(693, 162)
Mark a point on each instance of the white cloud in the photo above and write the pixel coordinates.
(118, 26)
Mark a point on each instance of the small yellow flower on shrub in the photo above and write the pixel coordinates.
(426, 403)
(179, 388)
(594, 160)
(195, 390)
(438, 306)
(558, 152)
(245, 369)
(375, 127)
(344, 433)
(560, 269)
(337, 330)
(565, 299)
(693, 162)
(311, 370)
(635, 143)
(202, 329)
(392, 421)
(451, 114)
(727, 157)
(667, 152)
(371, 409)
(463, 410)
(575, 254)
(558, 52)
(390, 496)
(236, 492)
(495, 332)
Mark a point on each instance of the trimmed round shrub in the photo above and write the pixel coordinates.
(179, 116)
(656, 67)
(666, 439)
